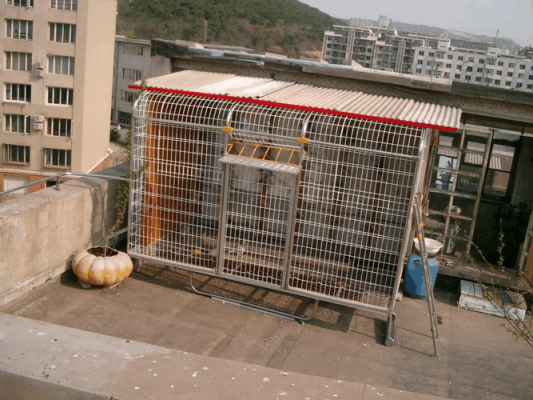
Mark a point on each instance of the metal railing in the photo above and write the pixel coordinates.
(58, 177)
(58, 180)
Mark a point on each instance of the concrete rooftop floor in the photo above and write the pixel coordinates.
(480, 360)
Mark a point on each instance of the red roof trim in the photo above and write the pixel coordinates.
(300, 108)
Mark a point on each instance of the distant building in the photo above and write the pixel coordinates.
(507, 44)
(526, 52)
(493, 67)
(384, 48)
(377, 48)
(358, 22)
(56, 87)
(132, 63)
(469, 44)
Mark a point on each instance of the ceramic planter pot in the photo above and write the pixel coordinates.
(93, 267)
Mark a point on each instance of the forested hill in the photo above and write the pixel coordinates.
(280, 26)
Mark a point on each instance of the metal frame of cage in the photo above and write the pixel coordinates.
(298, 201)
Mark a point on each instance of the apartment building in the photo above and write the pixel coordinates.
(492, 67)
(132, 62)
(56, 80)
(378, 48)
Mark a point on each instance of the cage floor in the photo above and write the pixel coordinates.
(257, 267)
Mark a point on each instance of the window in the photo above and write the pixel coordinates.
(20, 3)
(139, 50)
(124, 118)
(507, 83)
(447, 75)
(509, 74)
(429, 62)
(59, 127)
(418, 71)
(480, 70)
(18, 92)
(469, 69)
(421, 53)
(490, 62)
(497, 81)
(530, 86)
(127, 96)
(468, 78)
(520, 76)
(420, 61)
(519, 85)
(511, 65)
(498, 72)
(482, 61)
(18, 123)
(448, 65)
(470, 59)
(478, 79)
(497, 178)
(19, 29)
(70, 5)
(18, 61)
(64, 33)
(450, 56)
(459, 68)
(60, 96)
(457, 76)
(460, 58)
(61, 65)
(500, 63)
(522, 66)
(57, 158)
(131, 74)
(489, 71)
(16, 154)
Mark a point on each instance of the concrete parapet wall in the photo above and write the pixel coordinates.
(40, 232)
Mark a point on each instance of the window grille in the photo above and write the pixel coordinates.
(64, 33)
(18, 92)
(19, 29)
(61, 65)
(57, 158)
(18, 61)
(16, 154)
(59, 127)
(60, 96)
(18, 123)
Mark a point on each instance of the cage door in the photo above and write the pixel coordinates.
(257, 215)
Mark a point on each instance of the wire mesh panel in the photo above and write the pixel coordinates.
(177, 145)
(354, 202)
(257, 217)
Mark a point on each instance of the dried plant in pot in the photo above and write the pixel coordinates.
(101, 266)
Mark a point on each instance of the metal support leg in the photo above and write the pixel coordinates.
(391, 330)
(294, 317)
(427, 276)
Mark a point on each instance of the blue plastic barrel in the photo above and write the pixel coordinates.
(414, 276)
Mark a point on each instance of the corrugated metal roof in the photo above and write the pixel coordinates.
(359, 104)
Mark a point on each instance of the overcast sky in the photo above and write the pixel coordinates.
(514, 18)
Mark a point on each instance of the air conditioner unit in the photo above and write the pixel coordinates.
(39, 65)
(38, 127)
(38, 118)
(39, 72)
